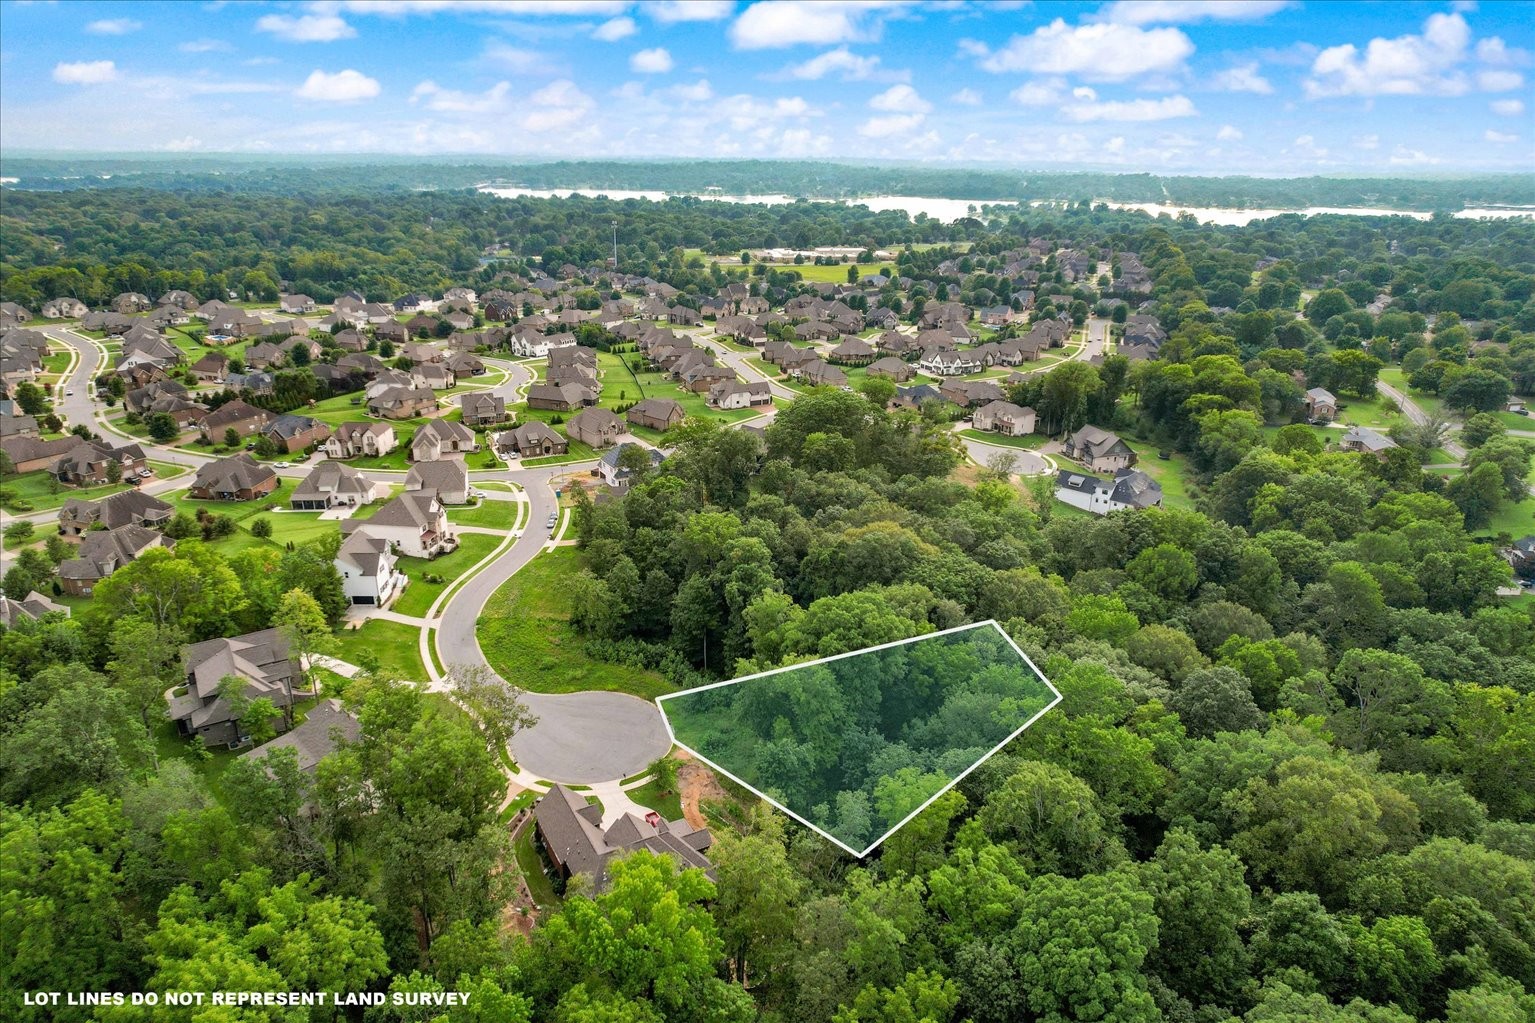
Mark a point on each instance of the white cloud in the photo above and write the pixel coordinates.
(185, 144)
(1404, 66)
(513, 58)
(698, 92)
(765, 26)
(651, 62)
(1242, 78)
(895, 124)
(113, 27)
(1498, 81)
(401, 8)
(1499, 138)
(434, 97)
(204, 46)
(1307, 146)
(847, 65)
(901, 99)
(1182, 12)
(557, 105)
(306, 28)
(612, 31)
(347, 86)
(1508, 107)
(1494, 50)
(1109, 52)
(1038, 94)
(1404, 157)
(744, 112)
(966, 98)
(1367, 142)
(1229, 133)
(85, 72)
(690, 10)
(1083, 93)
(1163, 109)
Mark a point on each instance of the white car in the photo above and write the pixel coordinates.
(281, 465)
(69, 394)
(554, 517)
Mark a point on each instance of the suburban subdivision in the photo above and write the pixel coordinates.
(767, 512)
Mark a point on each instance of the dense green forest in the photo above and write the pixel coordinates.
(856, 744)
(1292, 777)
(758, 177)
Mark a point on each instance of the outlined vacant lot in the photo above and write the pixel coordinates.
(856, 745)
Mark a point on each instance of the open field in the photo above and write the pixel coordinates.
(418, 596)
(1030, 441)
(526, 635)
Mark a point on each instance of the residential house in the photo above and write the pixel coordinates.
(656, 413)
(256, 382)
(64, 309)
(915, 397)
(399, 401)
(1129, 489)
(88, 462)
(260, 659)
(140, 400)
(702, 379)
(852, 351)
(211, 368)
(941, 363)
(561, 397)
(1005, 418)
(892, 368)
(971, 393)
(481, 408)
(733, 394)
(29, 608)
(464, 364)
(448, 478)
(1099, 450)
(1321, 406)
(414, 524)
(533, 439)
(1360, 438)
(128, 507)
(571, 831)
(819, 374)
(245, 419)
(333, 484)
(439, 438)
(131, 302)
(236, 478)
(596, 427)
(29, 453)
(617, 476)
(296, 304)
(104, 551)
(1520, 556)
(326, 728)
(294, 433)
(369, 569)
(356, 440)
(17, 426)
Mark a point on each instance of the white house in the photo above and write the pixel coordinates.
(415, 524)
(1130, 488)
(369, 569)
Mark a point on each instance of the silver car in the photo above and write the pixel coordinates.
(554, 518)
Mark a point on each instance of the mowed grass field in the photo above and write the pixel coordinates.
(526, 635)
(393, 646)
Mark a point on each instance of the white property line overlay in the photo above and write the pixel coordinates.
(857, 653)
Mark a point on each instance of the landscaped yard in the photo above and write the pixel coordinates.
(526, 635)
(578, 452)
(393, 646)
(1175, 476)
(532, 866)
(418, 596)
(489, 513)
(1030, 440)
(33, 487)
(1514, 519)
(668, 805)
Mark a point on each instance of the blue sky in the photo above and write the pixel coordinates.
(1251, 86)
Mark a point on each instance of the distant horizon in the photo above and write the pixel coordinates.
(514, 160)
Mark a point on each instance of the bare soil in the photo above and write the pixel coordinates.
(696, 783)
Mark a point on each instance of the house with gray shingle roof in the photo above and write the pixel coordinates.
(573, 836)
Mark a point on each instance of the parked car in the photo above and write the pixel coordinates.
(554, 518)
(144, 474)
(280, 465)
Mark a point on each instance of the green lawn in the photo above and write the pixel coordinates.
(1370, 412)
(33, 488)
(418, 596)
(1514, 519)
(393, 644)
(1394, 376)
(526, 635)
(578, 452)
(1032, 440)
(492, 514)
(1175, 475)
(668, 805)
(622, 385)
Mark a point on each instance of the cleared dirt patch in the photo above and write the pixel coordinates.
(696, 783)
